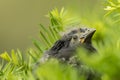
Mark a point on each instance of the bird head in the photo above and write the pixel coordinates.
(81, 35)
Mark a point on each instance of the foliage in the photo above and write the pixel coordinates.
(113, 8)
(18, 66)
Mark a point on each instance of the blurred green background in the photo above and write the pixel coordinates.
(20, 19)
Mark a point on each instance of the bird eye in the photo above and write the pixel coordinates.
(75, 37)
(88, 30)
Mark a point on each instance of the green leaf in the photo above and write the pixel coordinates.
(32, 55)
(47, 33)
(111, 3)
(109, 8)
(38, 45)
(14, 57)
(44, 39)
(20, 57)
(5, 56)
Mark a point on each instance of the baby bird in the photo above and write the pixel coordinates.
(65, 48)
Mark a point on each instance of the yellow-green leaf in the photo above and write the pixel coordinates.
(14, 57)
(5, 56)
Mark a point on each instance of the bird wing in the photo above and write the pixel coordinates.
(65, 53)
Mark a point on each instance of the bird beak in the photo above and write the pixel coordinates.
(82, 40)
(87, 36)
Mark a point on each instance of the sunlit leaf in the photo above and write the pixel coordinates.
(109, 8)
(14, 57)
(5, 56)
